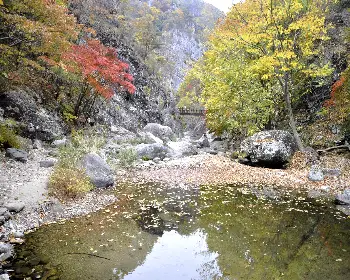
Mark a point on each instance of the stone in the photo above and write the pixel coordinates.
(343, 198)
(17, 234)
(4, 277)
(333, 172)
(98, 171)
(272, 148)
(315, 173)
(203, 142)
(3, 210)
(59, 143)
(163, 132)
(17, 154)
(325, 188)
(37, 121)
(151, 151)
(37, 144)
(182, 149)
(6, 251)
(48, 162)
(15, 206)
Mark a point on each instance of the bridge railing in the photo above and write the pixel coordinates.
(189, 111)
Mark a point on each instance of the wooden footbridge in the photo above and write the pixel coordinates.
(192, 112)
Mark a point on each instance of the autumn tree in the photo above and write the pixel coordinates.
(100, 69)
(30, 31)
(280, 47)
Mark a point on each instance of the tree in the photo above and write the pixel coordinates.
(281, 45)
(100, 68)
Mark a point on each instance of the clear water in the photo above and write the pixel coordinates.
(215, 232)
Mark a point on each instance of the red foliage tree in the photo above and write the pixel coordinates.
(100, 67)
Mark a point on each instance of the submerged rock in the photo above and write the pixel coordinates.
(272, 148)
(17, 154)
(98, 171)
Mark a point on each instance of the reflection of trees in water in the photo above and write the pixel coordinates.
(258, 238)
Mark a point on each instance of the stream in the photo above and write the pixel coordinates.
(212, 232)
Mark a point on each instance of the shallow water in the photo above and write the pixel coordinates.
(215, 232)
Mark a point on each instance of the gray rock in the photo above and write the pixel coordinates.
(163, 132)
(203, 142)
(182, 149)
(15, 206)
(48, 162)
(151, 151)
(37, 121)
(269, 148)
(4, 277)
(343, 198)
(37, 144)
(3, 210)
(149, 138)
(157, 160)
(2, 220)
(17, 234)
(315, 173)
(344, 208)
(334, 172)
(6, 251)
(98, 171)
(17, 154)
(59, 143)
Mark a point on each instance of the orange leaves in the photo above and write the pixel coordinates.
(100, 66)
(335, 87)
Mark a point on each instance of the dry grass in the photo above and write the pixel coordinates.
(69, 182)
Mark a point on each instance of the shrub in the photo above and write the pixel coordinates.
(8, 138)
(69, 182)
(127, 157)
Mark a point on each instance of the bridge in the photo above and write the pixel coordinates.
(192, 112)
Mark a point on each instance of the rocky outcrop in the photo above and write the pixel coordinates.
(36, 121)
(272, 148)
(163, 132)
(98, 171)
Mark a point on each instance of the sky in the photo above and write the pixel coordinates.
(223, 5)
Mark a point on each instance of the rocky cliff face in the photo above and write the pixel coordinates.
(158, 39)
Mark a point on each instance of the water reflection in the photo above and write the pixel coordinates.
(216, 232)
(175, 257)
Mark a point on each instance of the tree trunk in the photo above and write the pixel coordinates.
(290, 112)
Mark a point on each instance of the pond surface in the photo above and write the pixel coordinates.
(215, 232)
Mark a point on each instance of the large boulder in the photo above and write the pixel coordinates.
(17, 154)
(272, 148)
(182, 149)
(37, 122)
(151, 151)
(163, 132)
(98, 171)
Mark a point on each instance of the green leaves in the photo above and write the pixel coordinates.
(262, 51)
